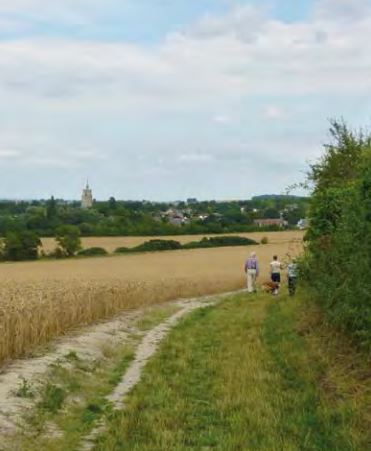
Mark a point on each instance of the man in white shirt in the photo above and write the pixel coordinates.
(276, 272)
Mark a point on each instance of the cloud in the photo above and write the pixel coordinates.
(9, 153)
(195, 158)
(223, 119)
(243, 22)
(115, 99)
(274, 112)
(211, 64)
(12, 25)
(342, 10)
(68, 12)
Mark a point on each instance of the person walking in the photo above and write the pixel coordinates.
(276, 273)
(292, 274)
(252, 272)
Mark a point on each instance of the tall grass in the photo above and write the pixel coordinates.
(31, 313)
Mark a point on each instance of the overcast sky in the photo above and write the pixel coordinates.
(169, 99)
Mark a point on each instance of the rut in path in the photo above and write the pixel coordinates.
(86, 344)
(145, 351)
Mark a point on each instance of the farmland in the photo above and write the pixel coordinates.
(42, 300)
(111, 243)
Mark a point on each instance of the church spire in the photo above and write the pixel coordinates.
(87, 196)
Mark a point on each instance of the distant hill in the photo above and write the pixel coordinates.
(278, 196)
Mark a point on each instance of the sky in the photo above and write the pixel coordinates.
(171, 99)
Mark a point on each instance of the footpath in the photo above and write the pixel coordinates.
(227, 372)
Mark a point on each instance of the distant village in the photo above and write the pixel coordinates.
(179, 217)
(113, 217)
(182, 213)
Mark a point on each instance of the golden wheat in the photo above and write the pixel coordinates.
(42, 300)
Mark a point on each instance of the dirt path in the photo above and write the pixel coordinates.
(145, 351)
(88, 344)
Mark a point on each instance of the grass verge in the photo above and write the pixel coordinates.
(70, 400)
(72, 396)
(243, 376)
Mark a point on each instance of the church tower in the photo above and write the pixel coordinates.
(87, 197)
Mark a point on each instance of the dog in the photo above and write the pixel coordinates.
(270, 287)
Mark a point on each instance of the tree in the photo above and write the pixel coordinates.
(68, 239)
(21, 245)
(338, 252)
(51, 208)
(36, 218)
(112, 204)
(271, 213)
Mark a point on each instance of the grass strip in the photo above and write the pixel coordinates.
(304, 414)
(237, 376)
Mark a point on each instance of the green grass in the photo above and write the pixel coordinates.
(72, 396)
(156, 315)
(241, 376)
(252, 373)
(72, 399)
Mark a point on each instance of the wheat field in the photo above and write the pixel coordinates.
(42, 300)
(111, 243)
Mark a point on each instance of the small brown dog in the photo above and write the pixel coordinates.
(270, 287)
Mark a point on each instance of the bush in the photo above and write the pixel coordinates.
(337, 265)
(151, 246)
(68, 238)
(220, 241)
(264, 240)
(92, 252)
(171, 245)
(21, 245)
(157, 245)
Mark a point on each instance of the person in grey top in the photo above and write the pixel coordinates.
(252, 272)
(292, 275)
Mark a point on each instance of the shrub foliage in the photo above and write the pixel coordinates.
(21, 245)
(220, 241)
(337, 266)
(68, 239)
(92, 252)
(171, 245)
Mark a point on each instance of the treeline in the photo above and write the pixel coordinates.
(171, 245)
(23, 244)
(337, 266)
(129, 218)
(26, 245)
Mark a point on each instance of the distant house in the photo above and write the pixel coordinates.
(271, 222)
(176, 220)
(175, 217)
(291, 207)
(303, 224)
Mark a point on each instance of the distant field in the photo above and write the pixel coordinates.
(111, 243)
(43, 299)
